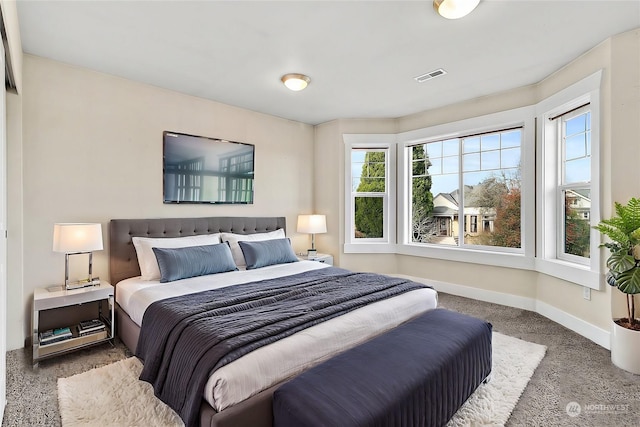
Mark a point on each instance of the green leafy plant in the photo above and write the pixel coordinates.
(624, 261)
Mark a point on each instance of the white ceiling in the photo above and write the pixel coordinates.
(361, 55)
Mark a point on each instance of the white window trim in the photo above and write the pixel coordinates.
(539, 238)
(503, 257)
(375, 142)
(586, 273)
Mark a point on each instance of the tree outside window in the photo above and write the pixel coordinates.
(370, 193)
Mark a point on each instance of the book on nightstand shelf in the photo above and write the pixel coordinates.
(89, 327)
(55, 335)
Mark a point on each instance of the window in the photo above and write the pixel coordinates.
(370, 193)
(487, 168)
(369, 189)
(574, 187)
(486, 189)
(567, 202)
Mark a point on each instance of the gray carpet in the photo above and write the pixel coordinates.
(573, 370)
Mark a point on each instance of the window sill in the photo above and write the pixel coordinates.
(579, 274)
(497, 259)
(369, 248)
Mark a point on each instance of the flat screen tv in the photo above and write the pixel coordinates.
(198, 169)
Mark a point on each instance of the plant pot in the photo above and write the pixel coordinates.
(625, 348)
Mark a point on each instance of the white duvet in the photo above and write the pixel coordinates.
(278, 361)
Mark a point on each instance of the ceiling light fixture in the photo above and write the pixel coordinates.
(454, 9)
(295, 81)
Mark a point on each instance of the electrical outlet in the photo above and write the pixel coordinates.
(586, 293)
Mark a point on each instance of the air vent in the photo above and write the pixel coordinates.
(430, 75)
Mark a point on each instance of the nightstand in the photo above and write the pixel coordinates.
(55, 307)
(323, 258)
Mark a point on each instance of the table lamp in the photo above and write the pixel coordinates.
(75, 239)
(312, 224)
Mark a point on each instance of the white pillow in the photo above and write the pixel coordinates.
(233, 240)
(147, 258)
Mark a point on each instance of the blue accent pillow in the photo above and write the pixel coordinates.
(192, 261)
(267, 252)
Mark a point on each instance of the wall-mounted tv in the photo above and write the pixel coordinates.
(198, 169)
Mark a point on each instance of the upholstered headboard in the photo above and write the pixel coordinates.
(123, 262)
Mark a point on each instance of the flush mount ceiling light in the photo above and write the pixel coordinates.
(454, 9)
(295, 81)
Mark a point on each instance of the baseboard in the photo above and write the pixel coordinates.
(598, 335)
(569, 321)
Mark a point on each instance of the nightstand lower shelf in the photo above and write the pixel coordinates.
(61, 347)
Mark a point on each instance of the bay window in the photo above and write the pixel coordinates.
(518, 189)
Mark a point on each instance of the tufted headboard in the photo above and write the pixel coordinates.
(123, 262)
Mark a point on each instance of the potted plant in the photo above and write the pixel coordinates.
(624, 273)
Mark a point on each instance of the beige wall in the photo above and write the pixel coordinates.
(619, 57)
(92, 151)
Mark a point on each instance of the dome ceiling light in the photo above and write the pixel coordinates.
(295, 81)
(454, 9)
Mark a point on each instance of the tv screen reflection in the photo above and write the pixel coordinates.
(207, 170)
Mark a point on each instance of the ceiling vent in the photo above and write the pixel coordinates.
(430, 75)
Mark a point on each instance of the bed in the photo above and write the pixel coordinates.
(240, 393)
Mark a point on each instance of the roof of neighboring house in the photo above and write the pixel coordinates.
(584, 193)
(454, 196)
(443, 211)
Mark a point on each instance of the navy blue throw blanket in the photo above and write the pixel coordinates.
(183, 339)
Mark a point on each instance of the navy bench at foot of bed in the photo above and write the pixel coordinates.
(418, 374)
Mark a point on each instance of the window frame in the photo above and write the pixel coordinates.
(585, 272)
(373, 142)
(498, 256)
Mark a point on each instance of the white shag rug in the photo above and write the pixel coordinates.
(513, 364)
(113, 396)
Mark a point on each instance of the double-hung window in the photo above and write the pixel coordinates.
(574, 187)
(568, 182)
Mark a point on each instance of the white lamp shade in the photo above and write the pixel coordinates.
(454, 9)
(74, 238)
(312, 224)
